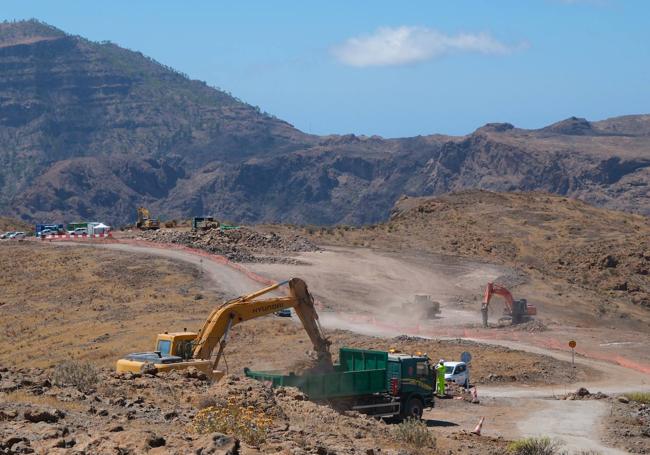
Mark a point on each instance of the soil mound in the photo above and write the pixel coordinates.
(238, 245)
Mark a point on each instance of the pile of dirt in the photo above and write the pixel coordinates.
(532, 326)
(584, 394)
(238, 245)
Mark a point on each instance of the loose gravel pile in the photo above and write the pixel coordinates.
(238, 245)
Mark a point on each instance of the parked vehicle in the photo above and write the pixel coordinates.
(47, 229)
(79, 231)
(284, 313)
(17, 235)
(457, 372)
(6, 235)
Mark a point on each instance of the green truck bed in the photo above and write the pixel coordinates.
(359, 372)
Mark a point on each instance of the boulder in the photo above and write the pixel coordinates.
(216, 444)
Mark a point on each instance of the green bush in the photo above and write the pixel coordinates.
(415, 432)
(535, 446)
(83, 376)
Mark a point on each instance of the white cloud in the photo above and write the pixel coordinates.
(403, 45)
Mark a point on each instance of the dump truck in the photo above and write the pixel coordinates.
(422, 307)
(377, 383)
(203, 223)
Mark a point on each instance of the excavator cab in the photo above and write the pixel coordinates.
(180, 344)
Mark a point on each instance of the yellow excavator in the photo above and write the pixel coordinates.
(180, 350)
(145, 222)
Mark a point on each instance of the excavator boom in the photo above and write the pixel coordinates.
(216, 329)
(515, 309)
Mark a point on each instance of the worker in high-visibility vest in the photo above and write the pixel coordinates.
(440, 373)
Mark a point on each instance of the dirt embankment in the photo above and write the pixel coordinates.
(238, 245)
(603, 252)
(12, 224)
(61, 302)
(180, 413)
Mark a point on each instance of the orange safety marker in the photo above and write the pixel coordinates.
(477, 430)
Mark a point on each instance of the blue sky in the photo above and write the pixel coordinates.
(386, 67)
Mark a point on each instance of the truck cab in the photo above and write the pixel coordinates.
(412, 378)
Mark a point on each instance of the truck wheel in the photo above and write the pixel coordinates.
(413, 409)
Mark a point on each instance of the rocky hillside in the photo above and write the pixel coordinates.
(91, 130)
(598, 252)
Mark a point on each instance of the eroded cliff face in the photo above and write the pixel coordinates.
(91, 130)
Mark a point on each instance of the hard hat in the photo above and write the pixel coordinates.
(441, 361)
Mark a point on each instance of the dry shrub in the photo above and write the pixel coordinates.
(416, 433)
(535, 446)
(641, 397)
(245, 423)
(81, 375)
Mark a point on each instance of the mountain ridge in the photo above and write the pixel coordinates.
(92, 130)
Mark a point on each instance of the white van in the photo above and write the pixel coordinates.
(457, 372)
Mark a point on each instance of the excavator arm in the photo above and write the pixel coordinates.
(517, 310)
(496, 289)
(217, 327)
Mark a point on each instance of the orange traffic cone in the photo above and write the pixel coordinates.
(477, 430)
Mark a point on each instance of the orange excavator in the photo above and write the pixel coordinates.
(515, 310)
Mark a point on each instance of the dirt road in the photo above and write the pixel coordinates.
(344, 278)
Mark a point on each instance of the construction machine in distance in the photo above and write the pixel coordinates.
(515, 310)
(145, 222)
(203, 223)
(181, 350)
(422, 307)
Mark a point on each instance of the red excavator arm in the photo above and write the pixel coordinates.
(496, 289)
(516, 309)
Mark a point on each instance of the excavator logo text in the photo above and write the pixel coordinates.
(267, 308)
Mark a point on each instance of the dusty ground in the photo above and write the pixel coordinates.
(602, 255)
(83, 315)
(60, 302)
(158, 293)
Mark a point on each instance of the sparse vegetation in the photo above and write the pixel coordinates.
(416, 433)
(641, 397)
(247, 423)
(535, 446)
(83, 376)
